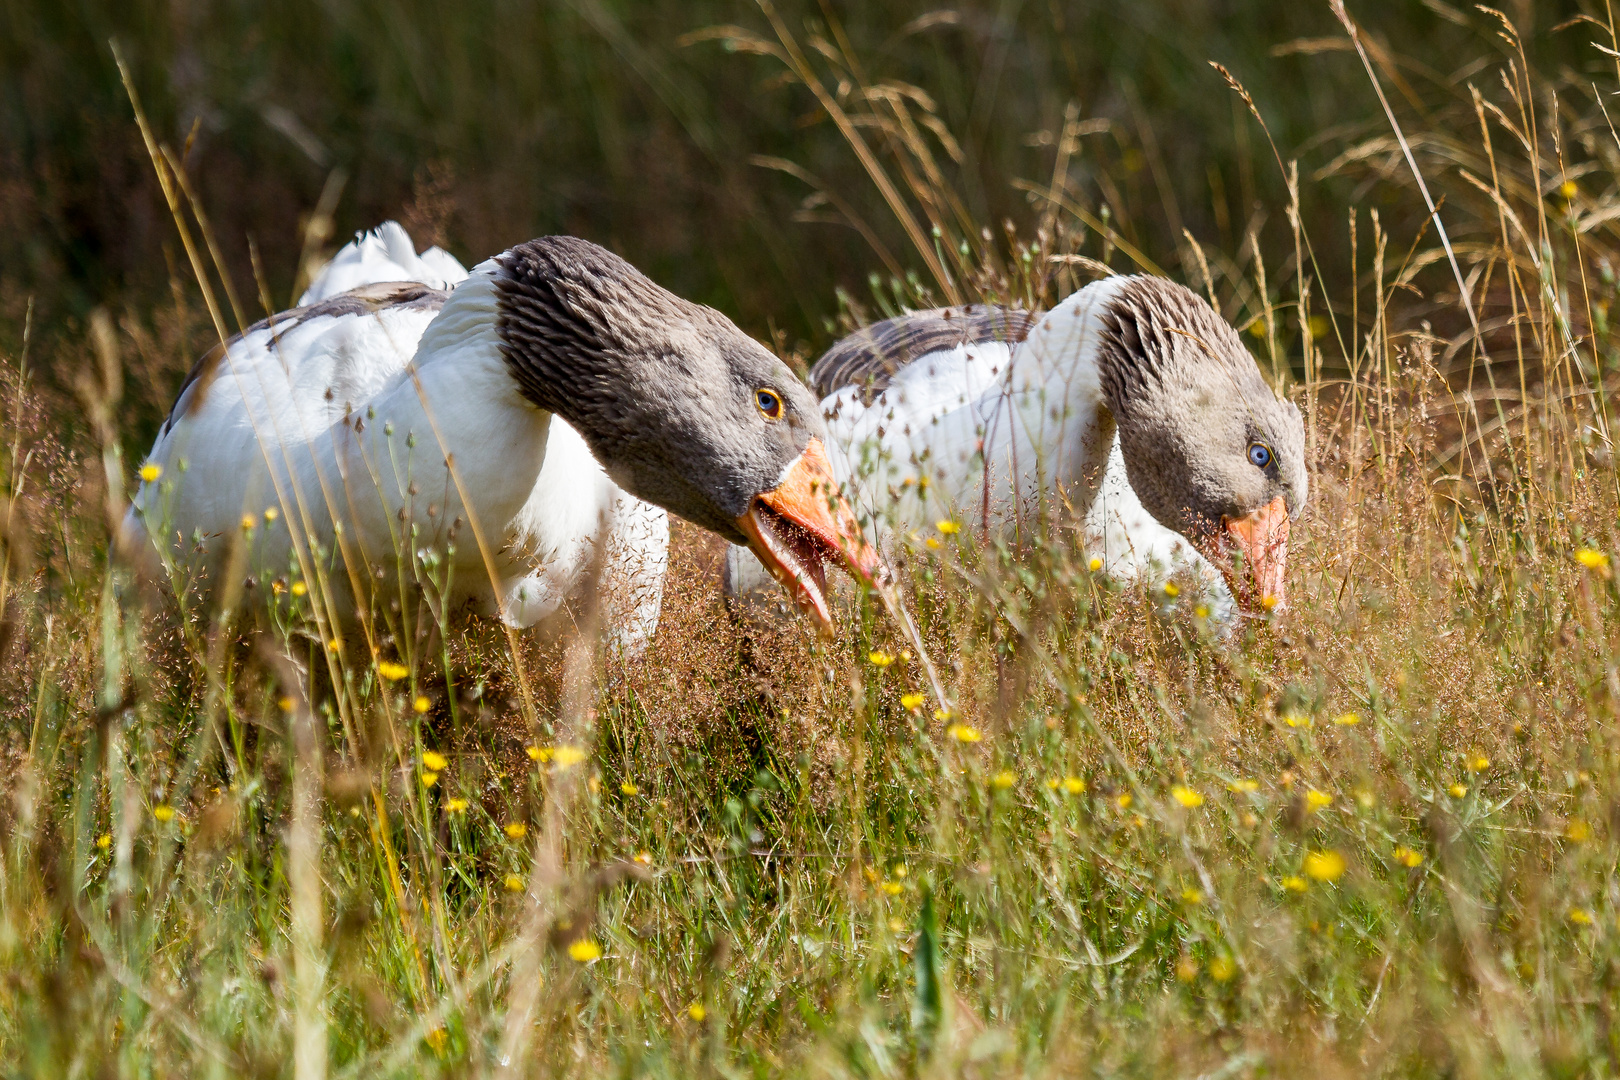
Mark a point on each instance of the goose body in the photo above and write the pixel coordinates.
(1002, 420)
(490, 436)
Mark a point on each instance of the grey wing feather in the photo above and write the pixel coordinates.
(870, 357)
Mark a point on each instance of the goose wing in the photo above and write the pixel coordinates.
(870, 358)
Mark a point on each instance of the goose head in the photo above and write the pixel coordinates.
(680, 407)
(1210, 449)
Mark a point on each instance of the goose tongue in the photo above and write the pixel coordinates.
(804, 522)
(1262, 539)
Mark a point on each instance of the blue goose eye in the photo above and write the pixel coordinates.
(769, 403)
(1259, 455)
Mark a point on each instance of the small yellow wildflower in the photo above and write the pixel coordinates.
(585, 950)
(1568, 189)
(1257, 328)
(1324, 865)
(1074, 785)
(1319, 326)
(566, 757)
(286, 704)
(1244, 785)
(1003, 780)
(1580, 916)
(644, 858)
(1186, 969)
(1052, 782)
(517, 830)
(299, 588)
(900, 870)
(1293, 883)
(1221, 969)
(1123, 801)
(912, 702)
(1202, 611)
(421, 704)
(1348, 719)
(1316, 800)
(1458, 790)
(880, 658)
(1295, 720)
(627, 788)
(942, 714)
(932, 543)
(947, 527)
(1192, 896)
(896, 926)
(163, 812)
(1094, 565)
(893, 888)
(541, 754)
(456, 806)
(104, 841)
(151, 471)
(697, 1012)
(247, 522)
(434, 761)
(429, 779)
(1593, 559)
(1268, 601)
(964, 733)
(513, 883)
(335, 645)
(1408, 858)
(1478, 763)
(437, 1039)
(270, 514)
(1186, 796)
(1171, 590)
(391, 671)
(1578, 831)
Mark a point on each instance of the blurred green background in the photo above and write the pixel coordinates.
(486, 122)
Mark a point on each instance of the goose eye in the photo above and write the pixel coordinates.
(1259, 455)
(769, 402)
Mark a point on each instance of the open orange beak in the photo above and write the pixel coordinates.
(1262, 539)
(796, 528)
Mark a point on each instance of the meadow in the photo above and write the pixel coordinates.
(1373, 833)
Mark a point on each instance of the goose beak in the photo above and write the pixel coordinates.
(797, 527)
(1262, 538)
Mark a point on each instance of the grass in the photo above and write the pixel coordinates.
(1376, 834)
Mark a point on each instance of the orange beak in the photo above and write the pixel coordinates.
(1262, 538)
(797, 527)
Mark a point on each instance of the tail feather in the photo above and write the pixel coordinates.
(384, 254)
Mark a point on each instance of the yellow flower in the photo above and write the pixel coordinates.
(627, 788)
(1257, 328)
(1458, 790)
(421, 705)
(434, 761)
(438, 1039)
(1073, 785)
(513, 883)
(644, 858)
(1186, 796)
(1221, 968)
(1580, 916)
(964, 733)
(1324, 865)
(942, 714)
(270, 514)
(336, 645)
(299, 588)
(880, 658)
(1319, 326)
(697, 1011)
(1593, 559)
(947, 527)
(1192, 896)
(287, 704)
(1202, 611)
(893, 888)
(1478, 763)
(585, 950)
(1293, 884)
(566, 757)
(1123, 801)
(1578, 831)
(912, 702)
(1243, 785)
(163, 812)
(1171, 590)
(1568, 189)
(539, 753)
(1348, 719)
(932, 543)
(1094, 565)
(456, 806)
(1408, 858)
(897, 926)
(900, 870)
(151, 471)
(517, 830)
(247, 522)
(429, 779)
(1268, 601)
(1295, 720)
(391, 671)
(1316, 800)
(1003, 780)
(104, 841)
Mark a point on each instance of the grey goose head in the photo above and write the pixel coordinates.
(680, 407)
(1210, 450)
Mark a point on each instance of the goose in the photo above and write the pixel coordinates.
(499, 438)
(381, 255)
(1131, 405)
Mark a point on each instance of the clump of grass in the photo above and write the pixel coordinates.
(1376, 834)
